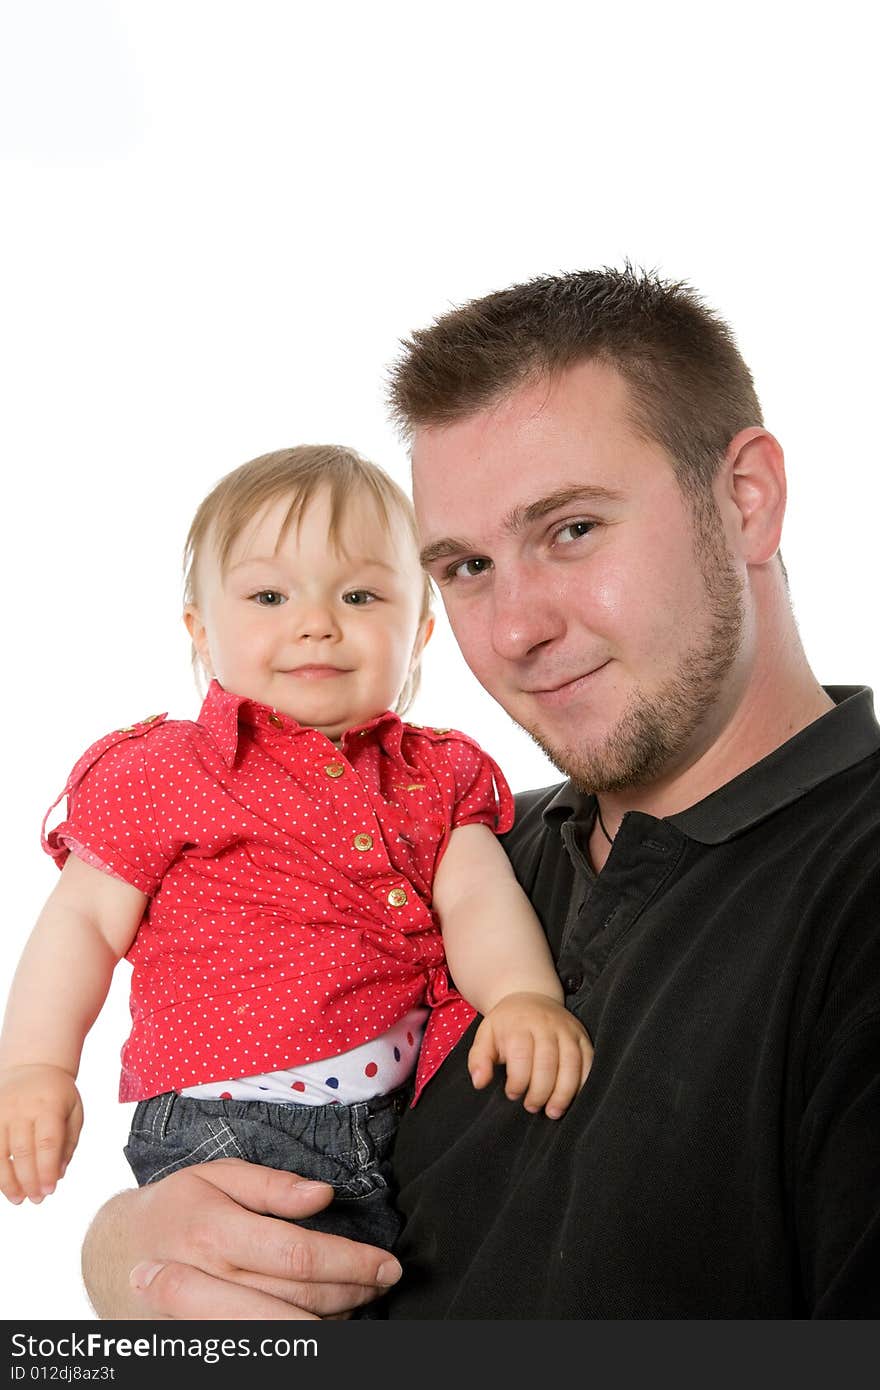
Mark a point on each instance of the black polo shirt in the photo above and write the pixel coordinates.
(723, 1158)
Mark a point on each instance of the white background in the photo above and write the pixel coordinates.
(218, 219)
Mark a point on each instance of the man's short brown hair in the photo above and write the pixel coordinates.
(690, 389)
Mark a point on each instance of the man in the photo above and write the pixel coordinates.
(601, 508)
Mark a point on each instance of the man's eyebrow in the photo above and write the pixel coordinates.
(520, 517)
(440, 550)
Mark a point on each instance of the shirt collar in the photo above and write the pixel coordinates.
(223, 715)
(837, 740)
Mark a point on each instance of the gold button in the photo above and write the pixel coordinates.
(441, 731)
(363, 841)
(275, 720)
(397, 897)
(334, 769)
(130, 728)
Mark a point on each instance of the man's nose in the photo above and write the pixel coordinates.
(524, 615)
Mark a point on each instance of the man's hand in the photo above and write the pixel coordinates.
(40, 1119)
(206, 1243)
(546, 1050)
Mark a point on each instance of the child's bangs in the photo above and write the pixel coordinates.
(347, 480)
(300, 474)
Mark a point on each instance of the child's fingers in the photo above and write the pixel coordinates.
(482, 1056)
(545, 1066)
(570, 1077)
(71, 1138)
(23, 1154)
(50, 1132)
(586, 1051)
(519, 1059)
(9, 1184)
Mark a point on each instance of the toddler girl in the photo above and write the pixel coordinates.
(297, 877)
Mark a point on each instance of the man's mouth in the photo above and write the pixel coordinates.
(560, 692)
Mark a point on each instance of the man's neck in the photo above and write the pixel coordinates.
(776, 704)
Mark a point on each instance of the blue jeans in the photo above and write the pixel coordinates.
(348, 1146)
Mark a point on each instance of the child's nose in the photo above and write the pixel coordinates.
(316, 620)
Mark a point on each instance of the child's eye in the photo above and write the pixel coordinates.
(358, 598)
(268, 598)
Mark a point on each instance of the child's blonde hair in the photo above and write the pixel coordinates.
(299, 473)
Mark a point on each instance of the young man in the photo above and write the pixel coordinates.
(601, 508)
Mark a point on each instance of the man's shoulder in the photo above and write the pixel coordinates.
(530, 828)
(533, 803)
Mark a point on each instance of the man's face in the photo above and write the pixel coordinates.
(582, 595)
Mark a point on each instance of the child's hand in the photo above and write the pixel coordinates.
(40, 1120)
(547, 1052)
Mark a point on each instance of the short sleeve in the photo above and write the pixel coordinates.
(111, 821)
(482, 796)
(838, 1155)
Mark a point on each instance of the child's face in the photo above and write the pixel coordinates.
(324, 632)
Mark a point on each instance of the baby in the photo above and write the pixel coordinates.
(310, 891)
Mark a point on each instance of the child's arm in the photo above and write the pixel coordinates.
(500, 961)
(88, 923)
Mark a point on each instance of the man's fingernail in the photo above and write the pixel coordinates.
(142, 1275)
(308, 1185)
(389, 1272)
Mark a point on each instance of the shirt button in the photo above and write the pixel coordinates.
(363, 842)
(275, 720)
(572, 983)
(397, 897)
(334, 769)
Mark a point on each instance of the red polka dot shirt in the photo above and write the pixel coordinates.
(289, 883)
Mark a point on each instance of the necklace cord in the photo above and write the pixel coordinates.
(608, 837)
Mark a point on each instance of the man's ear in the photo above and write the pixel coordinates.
(192, 619)
(754, 493)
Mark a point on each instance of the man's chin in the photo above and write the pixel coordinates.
(580, 764)
(630, 754)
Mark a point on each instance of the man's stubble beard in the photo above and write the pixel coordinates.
(655, 728)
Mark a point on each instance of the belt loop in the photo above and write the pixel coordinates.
(163, 1113)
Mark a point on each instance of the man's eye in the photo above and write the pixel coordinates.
(573, 531)
(358, 598)
(268, 598)
(469, 569)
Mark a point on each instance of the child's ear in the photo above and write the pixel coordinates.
(192, 619)
(423, 637)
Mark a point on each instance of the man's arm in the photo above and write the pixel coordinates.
(207, 1243)
(838, 1185)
